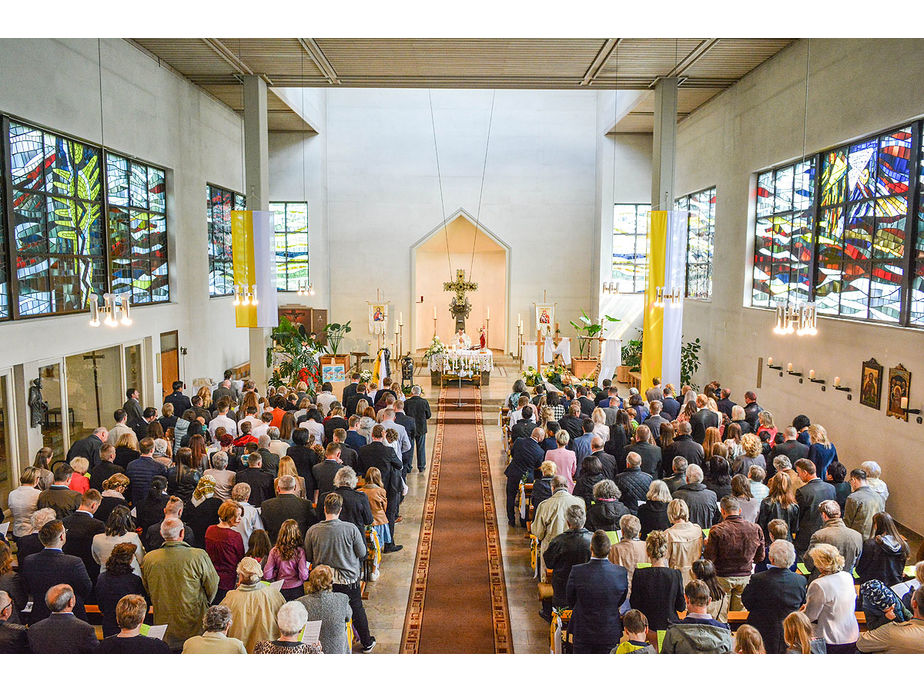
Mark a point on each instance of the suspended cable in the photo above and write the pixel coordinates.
(484, 169)
(439, 177)
(808, 49)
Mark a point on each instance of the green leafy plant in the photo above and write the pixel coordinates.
(588, 328)
(632, 353)
(335, 333)
(689, 362)
(292, 356)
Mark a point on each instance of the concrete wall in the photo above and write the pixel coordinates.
(383, 191)
(150, 113)
(856, 87)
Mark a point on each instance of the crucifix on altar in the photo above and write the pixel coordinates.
(459, 306)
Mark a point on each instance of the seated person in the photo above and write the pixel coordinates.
(130, 613)
(698, 633)
(635, 627)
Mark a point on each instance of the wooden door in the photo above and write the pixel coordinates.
(169, 360)
(318, 323)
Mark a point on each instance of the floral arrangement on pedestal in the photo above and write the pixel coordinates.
(436, 347)
(555, 375)
(293, 357)
(365, 375)
(531, 377)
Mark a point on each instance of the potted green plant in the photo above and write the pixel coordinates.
(587, 329)
(631, 359)
(689, 362)
(292, 356)
(335, 333)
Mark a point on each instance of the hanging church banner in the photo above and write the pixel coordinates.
(378, 318)
(252, 238)
(545, 318)
(663, 320)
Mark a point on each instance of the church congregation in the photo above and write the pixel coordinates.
(462, 346)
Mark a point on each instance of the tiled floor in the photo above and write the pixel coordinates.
(388, 596)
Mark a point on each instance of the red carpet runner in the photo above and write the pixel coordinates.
(458, 602)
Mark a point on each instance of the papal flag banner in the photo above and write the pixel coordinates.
(254, 269)
(663, 325)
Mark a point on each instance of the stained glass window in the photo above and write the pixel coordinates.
(291, 235)
(862, 228)
(783, 235)
(218, 207)
(4, 264)
(700, 209)
(917, 281)
(57, 225)
(137, 206)
(630, 247)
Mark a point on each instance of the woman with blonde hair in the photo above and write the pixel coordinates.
(565, 460)
(657, 590)
(765, 419)
(653, 513)
(542, 486)
(206, 394)
(600, 428)
(713, 437)
(378, 502)
(748, 641)
(684, 539)
(798, 635)
(780, 504)
(831, 600)
(23, 501)
(821, 451)
(752, 454)
(331, 608)
(287, 562)
(114, 495)
(741, 490)
(79, 481)
(126, 450)
(287, 468)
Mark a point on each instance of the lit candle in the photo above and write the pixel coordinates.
(519, 320)
(400, 318)
(904, 402)
(789, 367)
(812, 374)
(837, 381)
(434, 312)
(488, 313)
(769, 360)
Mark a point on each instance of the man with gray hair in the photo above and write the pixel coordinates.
(791, 447)
(418, 409)
(270, 459)
(684, 445)
(388, 421)
(849, 542)
(356, 508)
(679, 477)
(772, 595)
(633, 483)
(89, 447)
(550, 520)
(734, 546)
(701, 501)
(181, 582)
(606, 459)
(287, 505)
(568, 549)
(13, 637)
(62, 632)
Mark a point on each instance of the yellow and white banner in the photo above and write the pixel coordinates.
(663, 325)
(254, 268)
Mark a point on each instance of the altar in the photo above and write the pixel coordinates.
(474, 365)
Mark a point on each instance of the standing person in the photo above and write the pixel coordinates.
(88, 447)
(59, 497)
(831, 600)
(225, 546)
(287, 562)
(142, 471)
(751, 411)
(287, 505)
(378, 454)
(181, 582)
(884, 555)
(848, 542)
(134, 411)
(114, 583)
(378, 503)
(773, 594)
(410, 427)
(684, 539)
(341, 546)
(698, 632)
(812, 492)
(260, 481)
(253, 605)
(568, 549)
(780, 504)
(860, 508)
(130, 612)
(81, 528)
(61, 632)
(177, 399)
(331, 608)
(657, 590)
(701, 501)
(525, 456)
(734, 546)
(23, 501)
(596, 590)
(633, 483)
(797, 632)
(43, 570)
(214, 640)
(822, 451)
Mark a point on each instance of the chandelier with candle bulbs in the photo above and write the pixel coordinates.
(800, 319)
(115, 310)
(245, 295)
(305, 288)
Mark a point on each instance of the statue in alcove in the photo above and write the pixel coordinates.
(38, 407)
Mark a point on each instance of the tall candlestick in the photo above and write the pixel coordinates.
(488, 312)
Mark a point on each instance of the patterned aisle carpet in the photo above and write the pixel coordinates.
(458, 602)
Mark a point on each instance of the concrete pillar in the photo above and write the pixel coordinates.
(256, 170)
(664, 144)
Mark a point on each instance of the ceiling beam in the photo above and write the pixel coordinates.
(227, 55)
(320, 60)
(599, 61)
(704, 46)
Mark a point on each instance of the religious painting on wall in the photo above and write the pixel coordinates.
(871, 384)
(378, 318)
(545, 318)
(899, 388)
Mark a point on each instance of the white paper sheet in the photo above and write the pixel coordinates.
(311, 632)
(277, 585)
(157, 631)
(4, 528)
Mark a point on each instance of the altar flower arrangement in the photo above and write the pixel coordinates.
(436, 347)
(365, 375)
(531, 377)
(291, 358)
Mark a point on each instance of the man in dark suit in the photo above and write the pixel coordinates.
(572, 421)
(348, 456)
(334, 422)
(106, 468)
(356, 508)
(50, 566)
(221, 392)
(419, 409)
(790, 447)
(89, 447)
(354, 400)
(304, 457)
(59, 496)
(751, 410)
(684, 446)
(606, 459)
(270, 458)
(286, 506)
(655, 420)
(81, 527)
(410, 427)
(704, 418)
(596, 590)
(633, 483)
(133, 408)
(568, 549)
(180, 401)
(524, 427)
(725, 404)
(772, 595)
(142, 470)
(587, 404)
(525, 457)
(325, 471)
(386, 389)
(259, 480)
(61, 632)
(153, 539)
(650, 454)
(383, 457)
(808, 496)
(350, 389)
